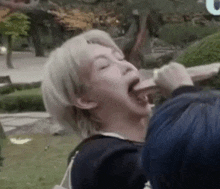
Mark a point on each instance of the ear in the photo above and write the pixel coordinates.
(86, 104)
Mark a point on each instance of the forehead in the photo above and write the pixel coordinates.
(92, 52)
(89, 55)
(95, 50)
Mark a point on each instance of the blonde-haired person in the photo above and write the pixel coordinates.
(86, 86)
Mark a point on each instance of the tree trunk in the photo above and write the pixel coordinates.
(146, 40)
(57, 34)
(2, 137)
(2, 133)
(9, 53)
(142, 41)
(1, 39)
(35, 33)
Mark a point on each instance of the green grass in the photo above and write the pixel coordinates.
(32, 165)
(36, 91)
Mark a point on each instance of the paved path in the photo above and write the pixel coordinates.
(29, 123)
(27, 67)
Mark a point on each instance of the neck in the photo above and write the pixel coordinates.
(132, 129)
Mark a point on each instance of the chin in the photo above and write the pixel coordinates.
(146, 113)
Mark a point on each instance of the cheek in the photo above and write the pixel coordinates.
(106, 92)
(111, 80)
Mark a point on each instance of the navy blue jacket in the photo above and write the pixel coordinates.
(182, 147)
(108, 163)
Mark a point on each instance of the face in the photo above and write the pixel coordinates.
(109, 78)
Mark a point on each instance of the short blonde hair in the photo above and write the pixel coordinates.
(61, 84)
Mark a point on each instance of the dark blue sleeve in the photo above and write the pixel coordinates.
(183, 136)
(185, 89)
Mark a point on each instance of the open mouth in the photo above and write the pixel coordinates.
(132, 84)
(141, 98)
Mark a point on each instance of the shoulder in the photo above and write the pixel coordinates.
(102, 148)
(105, 159)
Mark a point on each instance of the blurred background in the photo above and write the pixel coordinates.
(151, 33)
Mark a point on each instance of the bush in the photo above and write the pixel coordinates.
(203, 52)
(19, 86)
(184, 33)
(7, 89)
(20, 101)
(20, 44)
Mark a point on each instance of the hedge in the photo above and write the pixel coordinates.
(22, 101)
(203, 52)
(184, 33)
(18, 86)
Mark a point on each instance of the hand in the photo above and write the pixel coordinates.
(171, 77)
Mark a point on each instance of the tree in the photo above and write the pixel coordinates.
(34, 9)
(2, 137)
(150, 21)
(14, 25)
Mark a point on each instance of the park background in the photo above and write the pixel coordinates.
(151, 33)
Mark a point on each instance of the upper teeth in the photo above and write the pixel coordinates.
(133, 84)
(140, 98)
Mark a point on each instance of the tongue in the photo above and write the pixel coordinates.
(145, 87)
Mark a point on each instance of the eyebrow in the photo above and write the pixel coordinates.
(100, 56)
(104, 55)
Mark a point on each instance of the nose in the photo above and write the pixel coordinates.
(127, 67)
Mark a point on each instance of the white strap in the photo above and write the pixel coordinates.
(68, 171)
(112, 134)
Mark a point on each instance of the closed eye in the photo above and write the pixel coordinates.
(103, 67)
(121, 59)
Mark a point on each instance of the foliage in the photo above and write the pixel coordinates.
(73, 19)
(84, 20)
(15, 24)
(171, 6)
(40, 163)
(20, 101)
(18, 86)
(188, 6)
(7, 89)
(203, 52)
(185, 33)
(23, 86)
(3, 13)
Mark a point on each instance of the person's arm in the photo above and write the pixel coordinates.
(185, 89)
(183, 132)
(173, 79)
(178, 131)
